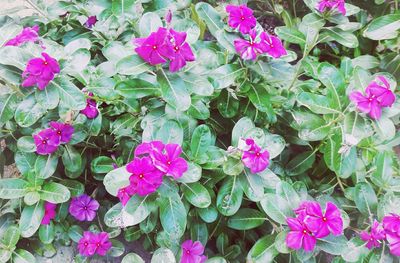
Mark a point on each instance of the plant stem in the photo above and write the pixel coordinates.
(340, 183)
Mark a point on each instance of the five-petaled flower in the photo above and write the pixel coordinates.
(63, 130)
(46, 141)
(272, 45)
(241, 17)
(49, 213)
(83, 207)
(94, 243)
(327, 5)
(248, 49)
(254, 158)
(40, 71)
(375, 236)
(299, 236)
(192, 252)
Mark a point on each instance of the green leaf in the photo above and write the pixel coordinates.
(31, 198)
(10, 237)
(209, 214)
(334, 245)
(28, 112)
(54, 193)
(72, 159)
(382, 176)
(139, 208)
(260, 98)
(11, 188)
(276, 207)
(132, 258)
(148, 23)
(263, 250)
(9, 29)
(46, 165)
(116, 179)
(26, 144)
(333, 79)
(201, 139)
(227, 105)
(345, 38)
(136, 88)
(8, 104)
(316, 103)
(173, 216)
(75, 232)
(196, 194)
(229, 196)
(210, 16)
(47, 233)
(173, 91)
(199, 110)
(246, 218)
(74, 187)
(170, 132)
(301, 163)
(163, 255)
(275, 144)
(70, 96)
(23, 256)
(15, 56)
(31, 217)
(192, 175)
(115, 51)
(365, 199)
(102, 165)
(240, 129)
(25, 162)
(79, 43)
(291, 35)
(199, 231)
(365, 61)
(384, 27)
(132, 65)
(226, 75)
(122, 8)
(232, 166)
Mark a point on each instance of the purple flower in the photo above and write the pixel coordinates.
(373, 238)
(46, 141)
(83, 208)
(28, 34)
(272, 45)
(40, 71)
(91, 21)
(91, 110)
(367, 104)
(169, 162)
(321, 224)
(299, 236)
(394, 243)
(63, 130)
(154, 49)
(125, 193)
(181, 51)
(254, 158)
(92, 243)
(145, 178)
(146, 148)
(49, 213)
(241, 17)
(326, 5)
(192, 252)
(248, 49)
(168, 17)
(383, 94)
(391, 223)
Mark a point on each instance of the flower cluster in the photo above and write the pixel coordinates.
(254, 158)
(48, 140)
(83, 208)
(40, 71)
(241, 18)
(94, 243)
(192, 252)
(49, 213)
(90, 111)
(28, 34)
(389, 230)
(378, 96)
(324, 5)
(312, 223)
(163, 45)
(152, 161)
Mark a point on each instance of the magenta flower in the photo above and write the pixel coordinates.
(394, 243)
(63, 130)
(154, 49)
(91, 21)
(169, 162)
(272, 45)
(192, 252)
(322, 224)
(91, 110)
(168, 17)
(367, 104)
(28, 34)
(299, 236)
(391, 223)
(49, 213)
(40, 71)
(326, 5)
(125, 193)
(85, 244)
(248, 49)
(254, 158)
(102, 243)
(46, 141)
(241, 17)
(373, 238)
(383, 94)
(145, 178)
(83, 208)
(146, 148)
(181, 51)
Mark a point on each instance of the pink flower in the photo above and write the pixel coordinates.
(49, 213)
(391, 223)
(146, 148)
(91, 21)
(383, 94)
(394, 243)
(63, 130)
(248, 49)
(125, 193)
(192, 252)
(46, 141)
(254, 158)
(299, 236)
(145, 178)
(324, 5)
(169, 162)
(28, 34)
(181, 51)
(241, 17)
(40, 71)
(91, 110)
(154, 49)
(92, 243)
(367, 104)
(272, 45)
(322, 224)
(83, 208)
(373, 238)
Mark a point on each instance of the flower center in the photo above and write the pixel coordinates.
(85, 208)
(59, 132)
(46, 63)
(86, 244)
(169, 162)
(258, 154)
(372, 239)
(176, 48)
(98, 244)
(154, 47)
(44, 142)
(187, 251)
(141, 176)
(242, 17)
(304, 231)
(324, 219)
